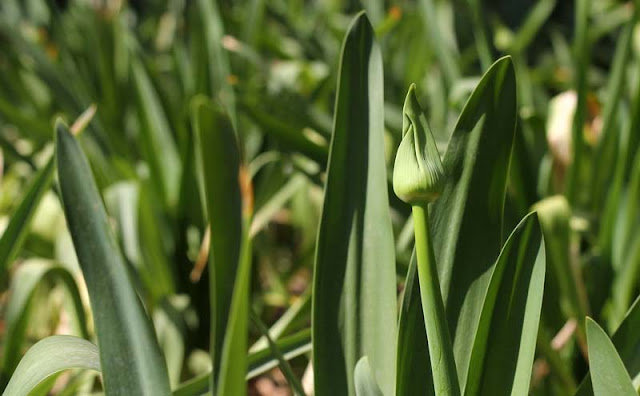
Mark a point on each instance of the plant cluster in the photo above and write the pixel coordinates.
(205, 198)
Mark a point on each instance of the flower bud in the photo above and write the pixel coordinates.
(418, 175)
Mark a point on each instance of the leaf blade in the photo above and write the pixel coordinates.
(355, 257)
(121, 323)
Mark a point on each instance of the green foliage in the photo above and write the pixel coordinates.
(272, 212)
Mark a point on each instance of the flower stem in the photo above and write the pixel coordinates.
(443, 367)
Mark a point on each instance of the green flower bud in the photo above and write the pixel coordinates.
(418, 175)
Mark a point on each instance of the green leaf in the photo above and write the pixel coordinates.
(230, 258)
(121, 323)
(158, 144)
(366, 384)
(608, 373)
(210, 58)
(49, 356)
(18, 227)
(505, 343)
(626, 340)
(24, 283)
(466, 221)
(581, 63)
(355, 259)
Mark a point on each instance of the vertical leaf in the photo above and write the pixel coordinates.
(157, 140)
(230, 254)
(608, 374)
(354, 304)
(130, 356)
(505, 343)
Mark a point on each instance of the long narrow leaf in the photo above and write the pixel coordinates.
(354, 304)
(230, 257)
(130, 356)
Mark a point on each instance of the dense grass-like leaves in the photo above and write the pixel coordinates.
(608, 374)
(130, 356)
(505, 343)
(49, 356)
(354, 305)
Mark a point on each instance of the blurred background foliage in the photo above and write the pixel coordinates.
(273, 64)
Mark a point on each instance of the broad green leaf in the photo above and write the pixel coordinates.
(366, 384)
(355, 258)
(159, 147)
(18, 227)
(259, 362)
(505, 343)
(48, 357)
(230, 253)
(122, 326)
(626, 340)
(466, 221)
(608, 373)
(24, 283)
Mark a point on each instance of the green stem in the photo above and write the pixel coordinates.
(443, 366)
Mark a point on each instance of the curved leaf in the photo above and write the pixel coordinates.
(505, 344)
(626, 340)
(354, 287)
(130, 356)
(366, 384)
(25, 281)
(608, 374)
(49, 356)
(466, 221)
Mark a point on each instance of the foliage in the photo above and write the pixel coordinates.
(249, 193)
